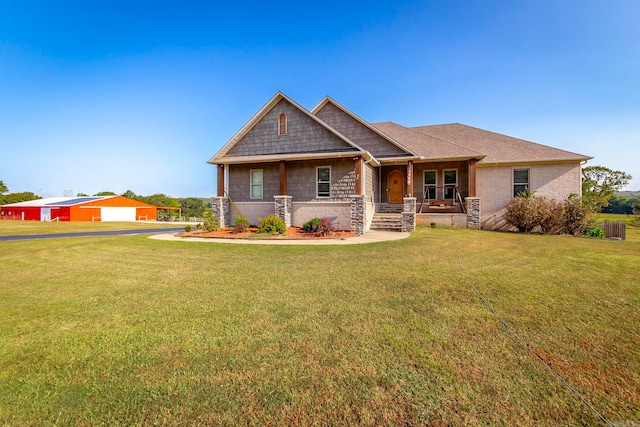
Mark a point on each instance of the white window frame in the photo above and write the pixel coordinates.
(514, 183)
(251, 184)
(435, 184)
(318, 182)
(444, 184)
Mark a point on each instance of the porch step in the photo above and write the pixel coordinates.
(387, 222)
(390, 208)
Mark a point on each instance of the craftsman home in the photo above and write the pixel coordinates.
(328, 162)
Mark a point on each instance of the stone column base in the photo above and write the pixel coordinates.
(409, 214)
(473, 212)
(358, 214)
(220, 210)
(283, 208)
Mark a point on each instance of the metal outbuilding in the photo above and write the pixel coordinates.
(93, 208)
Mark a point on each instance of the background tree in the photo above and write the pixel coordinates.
(192, 206)
(5, 199)
(81, 195)
(3, 187)
(599, 184)
(105, 193)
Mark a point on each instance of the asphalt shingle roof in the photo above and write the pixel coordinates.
(498, 148)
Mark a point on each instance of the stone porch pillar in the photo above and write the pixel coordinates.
(473, 212)
(358, 214)
(220, 210)
(409, 214)
(283, 208)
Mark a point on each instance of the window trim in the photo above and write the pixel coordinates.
(435, 184)
(318, 182)
(283, 124)
(514, 183)
(445, 185)
(251, 184)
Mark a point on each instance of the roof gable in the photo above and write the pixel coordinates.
(358, 130)
(498, 148)
(306, 133)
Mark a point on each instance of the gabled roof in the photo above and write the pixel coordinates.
(221, 156)
(497, 147)
(426, 146)
(329, 100)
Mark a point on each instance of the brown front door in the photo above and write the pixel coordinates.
(395, 186)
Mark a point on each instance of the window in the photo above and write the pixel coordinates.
(282, 125)
(430, 184)
(256, 184)
(323, 181)
(520, 181)
(450, 182)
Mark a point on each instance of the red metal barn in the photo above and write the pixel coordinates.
(96, 208)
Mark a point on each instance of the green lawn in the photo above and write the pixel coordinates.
(134, 331)
(12, 228)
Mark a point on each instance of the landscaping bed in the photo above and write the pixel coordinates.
(292, 233)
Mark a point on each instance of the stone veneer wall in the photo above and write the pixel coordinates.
(409, 214)
(358, 214)
(283, 208)
(220, 210)
(473, 212)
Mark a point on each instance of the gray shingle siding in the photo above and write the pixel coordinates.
(357, 133)
(303, 135)
(240, 184)
(301, 179)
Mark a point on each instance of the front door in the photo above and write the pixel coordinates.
(395, 187)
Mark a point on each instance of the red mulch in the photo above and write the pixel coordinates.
(291, 233)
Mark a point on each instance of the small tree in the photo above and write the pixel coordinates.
(599, 184)
(3, 187)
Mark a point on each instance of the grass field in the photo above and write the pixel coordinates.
(132, 331)
(12, 228)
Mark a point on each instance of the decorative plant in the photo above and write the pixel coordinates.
(272, 224)
(240, 224)
(211, 224)
(320, 226)
(187, 228)
(594, 231)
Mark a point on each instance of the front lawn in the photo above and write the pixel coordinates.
(13, 228)
(129, 330)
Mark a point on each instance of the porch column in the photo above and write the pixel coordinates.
(409, 214)
(410, 179)
(472, 177)
(220, 210)
(283, 177)
(283, 208)
(220, 180)
(473, 212)
(359, 175)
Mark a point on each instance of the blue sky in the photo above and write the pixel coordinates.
(110, 96)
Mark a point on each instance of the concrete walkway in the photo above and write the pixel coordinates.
(368, 237)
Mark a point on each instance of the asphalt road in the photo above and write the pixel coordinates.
(91, 234)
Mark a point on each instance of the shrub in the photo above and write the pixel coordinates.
(211, 224)
(312, 225)
(321, 226)
(240, 224)
(577, 217)
(521, 214)
(594, 231)
(433, 225)
(548, 216)
(187, 228)
(272, 224)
